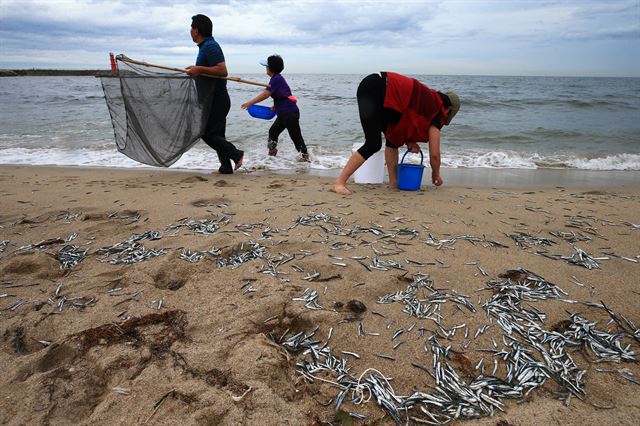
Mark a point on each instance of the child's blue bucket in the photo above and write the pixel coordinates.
(410, 175)
(261, 111)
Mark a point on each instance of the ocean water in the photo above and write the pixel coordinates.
(504, 122)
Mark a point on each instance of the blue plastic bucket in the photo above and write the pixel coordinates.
(261, 111)
(410, 175)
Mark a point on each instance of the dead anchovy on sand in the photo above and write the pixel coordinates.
(320, 360)
(570, 237)
(45, 244)
(628, 259)
(202, 226)
(384, 265)
(125, 216)
(190, 256)
(59, 301)
(135, 254)
(3, 245)
(583, 224)
(67, 216)
(580, 258)
(422, 301)
(448, 243)
(311, 220)
(453, 398)
(525, 334)
(524, 240)
(309, 296)
(130, 251)
(604, 345)
(248, 251)
(273, 263)
(69, 256)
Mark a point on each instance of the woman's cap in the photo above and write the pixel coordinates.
(455, 106)
(264, 62)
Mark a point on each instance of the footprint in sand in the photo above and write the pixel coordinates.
(39, 265)
(355, 306)
(194, 179)
(171, 278)
(209, 202)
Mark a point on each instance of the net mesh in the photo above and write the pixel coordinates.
(157, 115)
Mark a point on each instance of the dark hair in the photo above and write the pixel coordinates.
(203, 24)
(275, 64)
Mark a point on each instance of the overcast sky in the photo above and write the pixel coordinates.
(500, 37)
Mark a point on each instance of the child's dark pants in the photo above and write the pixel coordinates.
(291, 122)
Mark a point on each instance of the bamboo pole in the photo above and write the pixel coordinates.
(124, 58)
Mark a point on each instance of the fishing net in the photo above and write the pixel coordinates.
(157, 114)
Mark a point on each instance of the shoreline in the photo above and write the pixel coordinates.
(453, 177)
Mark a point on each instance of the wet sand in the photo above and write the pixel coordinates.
(166, 340)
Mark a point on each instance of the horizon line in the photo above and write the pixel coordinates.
(343, 73)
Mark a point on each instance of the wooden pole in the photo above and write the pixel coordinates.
(123, 58)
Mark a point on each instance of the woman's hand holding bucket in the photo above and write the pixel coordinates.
(413, 147)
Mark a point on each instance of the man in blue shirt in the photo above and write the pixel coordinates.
(210, 61)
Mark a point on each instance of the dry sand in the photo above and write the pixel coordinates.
(166, 341)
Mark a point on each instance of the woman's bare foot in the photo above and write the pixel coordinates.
(239, 163)
(339, 188)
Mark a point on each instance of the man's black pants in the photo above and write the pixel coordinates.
(214, 134)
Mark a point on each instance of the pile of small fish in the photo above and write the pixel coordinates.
(319, 359)
(70, 255)
(45, 244)
(255, 251)
(202, 226)
(273, 263)
(311, 220)
(68, 216)
(520, 284)
(570, 237)
(525, 240)
(452, 397)
(422, 301)
(530, 354)
(127, 217)
(340, 230)
(605, 346)
(579, 257)
(524, 328)
(309, 296)
(623, 323)
(448, 243)
(59, 301)
(3, 245)
(130, 251)
(384, 265)
(193, 257)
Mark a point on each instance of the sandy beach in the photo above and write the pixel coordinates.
(162, 296)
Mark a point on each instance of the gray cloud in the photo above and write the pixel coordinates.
(459, 31)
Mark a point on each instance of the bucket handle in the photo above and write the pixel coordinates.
(421, 157)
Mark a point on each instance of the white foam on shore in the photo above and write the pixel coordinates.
(496, 159)
(322, 158)
(611, 162)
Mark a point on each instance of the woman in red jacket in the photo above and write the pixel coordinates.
(407, 112)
